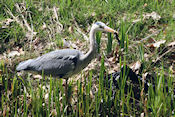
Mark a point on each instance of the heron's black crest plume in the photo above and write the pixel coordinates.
(100, 24)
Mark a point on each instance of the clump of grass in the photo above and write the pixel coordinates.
(42, 98)
(46, 102)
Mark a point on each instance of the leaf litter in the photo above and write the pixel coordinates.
(110, 62)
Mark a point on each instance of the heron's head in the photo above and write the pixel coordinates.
(100, 26)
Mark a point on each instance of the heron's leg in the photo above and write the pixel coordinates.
(67, 97)
(66, 89)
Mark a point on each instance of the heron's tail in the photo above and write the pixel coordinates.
(24, 65)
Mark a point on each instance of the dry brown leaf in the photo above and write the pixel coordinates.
(93, 14)
(136, 66)
(46, 96)
(153, 15)
(146, 56)
(171, 69)
(21, 51)
(145, 5)
(137, 20)
(6, 22)
(111, 60)
(13, 54)
(37, 76)
(43, 26)
(157, 44)
(151, 40)
(71, 29)
(171, 44)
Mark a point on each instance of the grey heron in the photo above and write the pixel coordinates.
(65, 62)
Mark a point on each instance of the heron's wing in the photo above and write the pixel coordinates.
(57, 63)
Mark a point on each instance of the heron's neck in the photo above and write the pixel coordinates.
(92, 49)
(93, 44)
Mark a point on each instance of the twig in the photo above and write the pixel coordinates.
(172, 48)
(129, 28)
(144, 39)
(32, 33)
(60, 28)
(25, 22)
(15, 18)
(22, 25)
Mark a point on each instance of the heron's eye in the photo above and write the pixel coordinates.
(101, 26)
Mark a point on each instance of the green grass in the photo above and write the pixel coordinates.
(46, 97)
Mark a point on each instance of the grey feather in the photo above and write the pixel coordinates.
(56, 63)
(24, 65)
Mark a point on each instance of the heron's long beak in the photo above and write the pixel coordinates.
(108, 29)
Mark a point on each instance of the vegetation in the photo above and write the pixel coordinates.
(34, 27)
